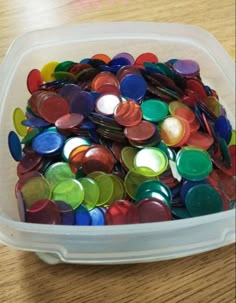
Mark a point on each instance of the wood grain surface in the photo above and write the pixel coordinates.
(208, 277)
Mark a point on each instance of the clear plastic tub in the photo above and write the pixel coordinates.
(109, 244)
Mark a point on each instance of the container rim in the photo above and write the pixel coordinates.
(129, 29)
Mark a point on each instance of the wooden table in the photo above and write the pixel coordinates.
(208, 277)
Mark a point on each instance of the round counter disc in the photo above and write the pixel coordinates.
(153, 158)
(71, 191)
(203, 200)
(91, 192)
(193, 164)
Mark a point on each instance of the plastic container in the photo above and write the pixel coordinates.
(109, 244)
